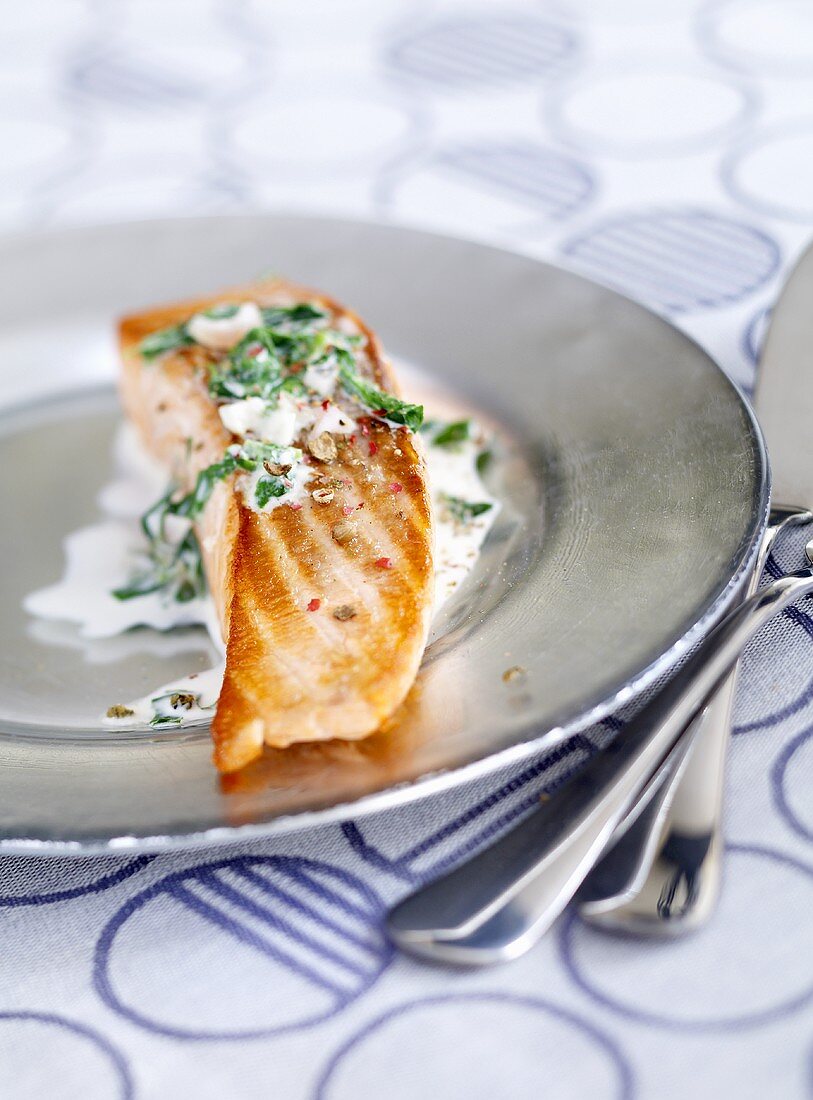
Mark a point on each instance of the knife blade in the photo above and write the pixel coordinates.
(784, 394)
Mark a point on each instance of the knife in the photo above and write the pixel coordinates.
(498, 903)
(677, 892)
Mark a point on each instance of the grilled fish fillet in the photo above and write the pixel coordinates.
(324, 609)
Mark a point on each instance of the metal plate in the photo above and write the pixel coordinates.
(634, 474)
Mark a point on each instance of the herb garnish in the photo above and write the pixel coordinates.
(171, 566)
(464, 510)
(167, 707)
(223, 312)
(459, 431)
(268, 487)
(251, 369)
(483, 461)
(400, 412)
(270, 359)
(176, 567)
(275, 316)
(166, 339)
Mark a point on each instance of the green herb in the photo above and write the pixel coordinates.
(267, 488)
(194, 502)
(166, 720)
(246, 456)
(177, 567)
(168, 708)
(172, 567)
(293, 384)
(401, 412)
(140, 585)
(222, 312)
(248, 370)
(483, 461)
(271, 360)
(302, 312)
(165, 707)
(252, 453)
(166, 339)
(464, 510)
(456, 432)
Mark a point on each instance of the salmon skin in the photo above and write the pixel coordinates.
(324, 591)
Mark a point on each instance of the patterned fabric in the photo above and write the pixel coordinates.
(665, 148)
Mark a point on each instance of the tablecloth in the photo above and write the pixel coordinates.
(662, 146)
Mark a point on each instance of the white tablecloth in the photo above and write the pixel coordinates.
(665, 147)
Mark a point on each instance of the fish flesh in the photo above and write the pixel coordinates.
(319, 558)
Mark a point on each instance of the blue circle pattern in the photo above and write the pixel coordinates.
(548, 183)
(554, 112)
(575, 751)
(732, 163)
(754, 335)
(779, 781)
(664, 1020)
(462, 53)
(709, 34)
(677, 259)
(338, 918)
(535, 1004)
(50, 897)
(50, 1019)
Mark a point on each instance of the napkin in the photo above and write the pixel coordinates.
(665, 149)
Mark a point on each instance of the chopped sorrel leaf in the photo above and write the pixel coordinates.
(166, 339)
(267, 488)
(484, 460)
(252, 368)
(222, 312)
(176, 567)
(464, 510)
(274, 316)
(456, 432)
(382, 404)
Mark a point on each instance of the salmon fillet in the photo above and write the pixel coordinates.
(324, 606)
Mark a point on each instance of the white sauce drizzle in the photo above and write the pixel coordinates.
(296, 491)
(203, 686)
(222, 333)
(453, 472)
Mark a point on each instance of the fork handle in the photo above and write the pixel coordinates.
(691, 798)
(591, 807)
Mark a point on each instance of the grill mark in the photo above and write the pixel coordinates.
(348, 568)
(327, 630)
(278, 652)
(382, 543)
(328, 641)
(380, 629)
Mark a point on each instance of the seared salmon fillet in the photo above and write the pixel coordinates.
(298, 471)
